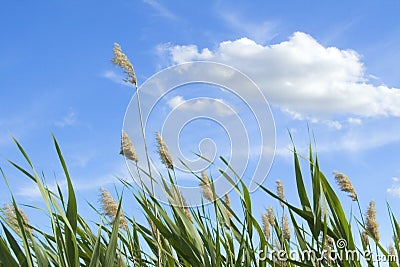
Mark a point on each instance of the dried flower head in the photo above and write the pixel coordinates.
(121, 60)
(345, 185)
(285, 227)
(181, 202)
(364, 238)
(206, 188)
(278, 261)
(163, 151)
(127, 148)
(371, 223)
(228, 203)
(266, 225)
(271, 216)
(11, 216)
(110, 208)
(392, 250)
(328, 246)
(280, 191)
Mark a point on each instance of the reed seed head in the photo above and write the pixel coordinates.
(11, 216)
(280, 191)
(371, 223)
(110, 208)
(180, 199)
(228, 203)
(163, 151)
(328, 246)
(285, 227)
(127, 148)
(206, 188)
(345, 185)
(271, 216)
(266, 225)
(121, 60)
(392, 250)
(364, 238)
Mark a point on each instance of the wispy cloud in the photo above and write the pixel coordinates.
(80, 184)
(395, 189)
(261, 32)
(215, 106)
(161, 10)
(68, 120)
(116, 78)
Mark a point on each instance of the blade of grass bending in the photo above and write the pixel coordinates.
(41, 260)
(299, 236)
(316, 189)
(43, 191)
(15, 247)
(338, 214)
(306, 215)
(6, 258)
(70, 233)
(20, 224)
(172, 233)
(94, 261)
(301, 189)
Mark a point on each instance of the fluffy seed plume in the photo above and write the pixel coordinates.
(271, 216)
(280, 191)
(110, 209)
(11, 215)
(285, 227)
(392, 250)
(345, 185)
(266, 225)
(186, 209)
(180, 199)
(228, 203)
(364, 238)
(371, 223)
(127, 148)
(121, 60)
(205, 185)
(163, 151)
(328, 246)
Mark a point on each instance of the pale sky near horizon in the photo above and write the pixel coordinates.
(332, 66)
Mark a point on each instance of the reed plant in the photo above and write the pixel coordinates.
(217, 234)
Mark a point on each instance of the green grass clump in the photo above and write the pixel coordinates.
(209, 235)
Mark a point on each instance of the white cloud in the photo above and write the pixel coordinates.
(215, 106)
(302, 76)
(355, 121)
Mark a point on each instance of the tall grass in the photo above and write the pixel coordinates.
(219, 234)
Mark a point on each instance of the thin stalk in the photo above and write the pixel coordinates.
(159, 258)
(144, 136)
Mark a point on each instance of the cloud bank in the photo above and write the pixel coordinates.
(302, 77)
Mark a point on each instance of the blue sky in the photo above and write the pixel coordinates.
(331, 65)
